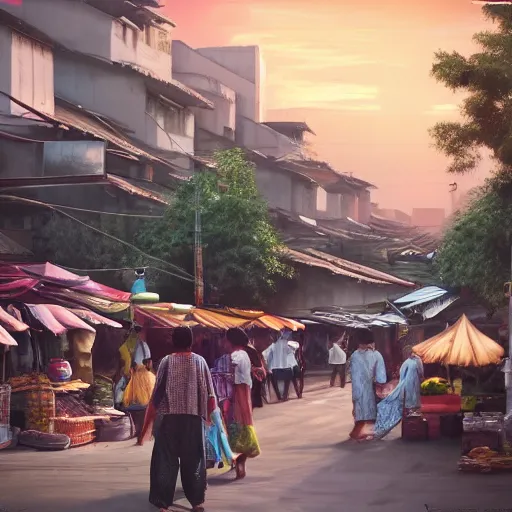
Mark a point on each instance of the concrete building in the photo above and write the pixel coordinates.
(119, 68)
(230, 77)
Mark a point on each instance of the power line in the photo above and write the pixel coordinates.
(189, 277)
(89, 270)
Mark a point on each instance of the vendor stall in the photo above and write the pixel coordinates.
(483, 437)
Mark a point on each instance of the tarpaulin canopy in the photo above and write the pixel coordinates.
(6, 338)
(462, 344)
(68, 319)
(10, 323)
(47, 279)
(94, 318)
(175, 315)
(57, 319)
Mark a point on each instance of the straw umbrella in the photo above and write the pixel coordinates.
(462, 344)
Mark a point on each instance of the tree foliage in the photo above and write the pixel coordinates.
(66, 242)
(487, 111)
(476, 249)
(241, 250)
(475, 252)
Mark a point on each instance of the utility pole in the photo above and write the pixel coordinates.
(453, 189)
(198, 251)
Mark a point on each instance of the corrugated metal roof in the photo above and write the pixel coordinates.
(311, 261)
(360, 269)
(12, 248)
(421, 296)
(175, 90)
(135, 190)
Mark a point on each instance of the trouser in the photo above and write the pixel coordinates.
(257, 393)
(179, 445)
(338, 369)
(284, 375)
(297, 381)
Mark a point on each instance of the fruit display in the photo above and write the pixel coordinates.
(435, 386)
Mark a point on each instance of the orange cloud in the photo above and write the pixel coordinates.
(359, 73)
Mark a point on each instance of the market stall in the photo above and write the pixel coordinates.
(462, 345)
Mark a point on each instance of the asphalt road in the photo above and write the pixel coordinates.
(307, 464)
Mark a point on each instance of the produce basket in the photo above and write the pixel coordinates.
(80, 430)
(38, 406)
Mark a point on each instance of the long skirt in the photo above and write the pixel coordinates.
(179, 445)
(242, 435)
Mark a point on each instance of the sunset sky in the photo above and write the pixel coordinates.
(358, 72)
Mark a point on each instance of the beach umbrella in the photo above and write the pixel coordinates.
(462, 344)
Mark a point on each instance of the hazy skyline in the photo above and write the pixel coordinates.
(359, 74)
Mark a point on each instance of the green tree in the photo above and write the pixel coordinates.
(241, 249)
(475, 251)
(487, 110)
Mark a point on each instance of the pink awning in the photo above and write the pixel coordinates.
(49, 272)
(6, 338)
(43, 315)
(10, 323)
(94, 318)
(68, 319)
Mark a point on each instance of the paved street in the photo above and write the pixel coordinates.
(307, 464)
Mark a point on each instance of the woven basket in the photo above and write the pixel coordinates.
(80, 430)
(38, 406)
(5, 404)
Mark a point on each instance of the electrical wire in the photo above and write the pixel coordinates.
(90, 270)
(189, 277)
(133, 215)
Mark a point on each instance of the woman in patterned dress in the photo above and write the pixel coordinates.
(242, 435)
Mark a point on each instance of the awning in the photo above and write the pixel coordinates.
(44, 316)
(176, 315)
(68, 319)
(94, 318)
(158, 316)
(10, 323)
(421, 296)
(462, 344)
(57, 319)
(6, 338)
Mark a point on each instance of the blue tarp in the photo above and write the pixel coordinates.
(421, 296)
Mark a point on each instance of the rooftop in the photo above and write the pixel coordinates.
(287, 126)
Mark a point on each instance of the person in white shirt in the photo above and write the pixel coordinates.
(337, 362)
(280, 359)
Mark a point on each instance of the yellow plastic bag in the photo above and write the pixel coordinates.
(140, 388)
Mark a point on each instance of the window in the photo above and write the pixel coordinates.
(164, 41)
(321, 199)
(156, 38)
(171, 119)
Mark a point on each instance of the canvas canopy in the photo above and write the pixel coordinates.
(462, 344)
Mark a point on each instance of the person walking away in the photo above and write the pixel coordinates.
(184, 398)
(367, 368)
(337, 362)
(241, 432)
(405, 398)
(301, 360)
(294, 364)
(279, 365)
(258, 374)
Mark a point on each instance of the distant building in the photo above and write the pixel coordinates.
(392, 214)
(431, 220)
